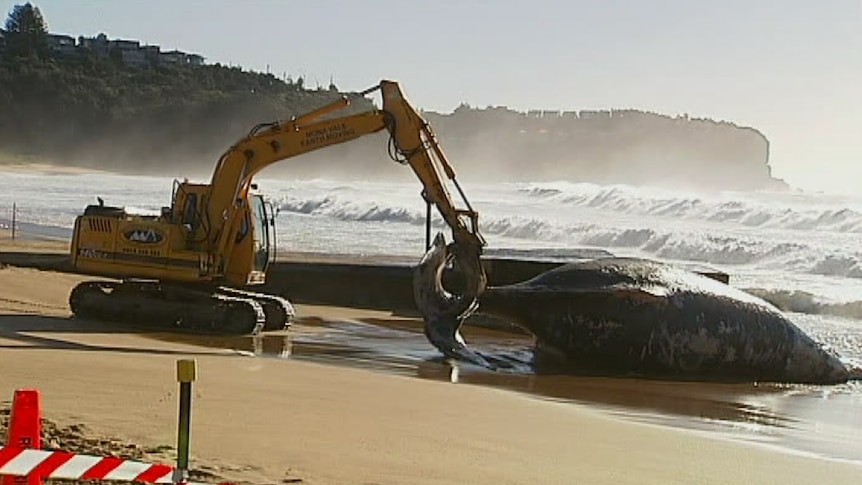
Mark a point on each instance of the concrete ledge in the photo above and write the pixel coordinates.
(384, 283)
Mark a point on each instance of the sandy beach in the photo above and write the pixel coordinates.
(259, 420)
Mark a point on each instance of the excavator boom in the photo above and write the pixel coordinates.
(414, 142)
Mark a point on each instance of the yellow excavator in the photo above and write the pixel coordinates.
(191, 266)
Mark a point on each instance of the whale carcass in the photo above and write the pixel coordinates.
(626, 316)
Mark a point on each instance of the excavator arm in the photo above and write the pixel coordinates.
(412, 142)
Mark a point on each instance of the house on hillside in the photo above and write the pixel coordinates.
(129, 51)
(124, 45)
(195, 60)
(151, 54)
(62, 45)
(173, 57)
(98, 45)
(181, 58)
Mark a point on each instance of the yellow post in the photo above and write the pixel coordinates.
(187, 370)
(186, 374)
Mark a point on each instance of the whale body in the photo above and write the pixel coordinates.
(628, 316)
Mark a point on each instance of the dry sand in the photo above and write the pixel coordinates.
(279, 421)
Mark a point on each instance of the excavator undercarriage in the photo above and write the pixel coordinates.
(158, 305)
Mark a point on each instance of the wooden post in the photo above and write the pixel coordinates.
(14, 214)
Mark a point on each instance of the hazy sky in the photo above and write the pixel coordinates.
(791, 68)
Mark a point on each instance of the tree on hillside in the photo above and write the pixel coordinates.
(26, 32)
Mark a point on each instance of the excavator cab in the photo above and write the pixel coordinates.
(253, 242)
(262, 243)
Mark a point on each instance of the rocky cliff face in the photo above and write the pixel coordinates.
(619, 146)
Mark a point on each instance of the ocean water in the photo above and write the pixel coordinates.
(799, 249)
(796, 249)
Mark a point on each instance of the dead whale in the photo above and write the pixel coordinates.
(625, 316)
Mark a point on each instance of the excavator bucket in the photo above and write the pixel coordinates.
(444, 312)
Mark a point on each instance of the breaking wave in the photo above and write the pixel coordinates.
(334, 207)
(697, 246)
(803, 302)
(668, 242)
(794, 211)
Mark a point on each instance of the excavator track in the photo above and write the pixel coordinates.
(279, 312)
(154, 305)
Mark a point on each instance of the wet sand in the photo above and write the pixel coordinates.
(817, 420)
(367, 419)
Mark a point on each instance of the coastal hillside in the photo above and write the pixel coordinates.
(122, 105)
(615, 146)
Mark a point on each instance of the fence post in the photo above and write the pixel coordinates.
(14, 214)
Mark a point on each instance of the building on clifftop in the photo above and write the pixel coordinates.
(131, 53)
(62, 45)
